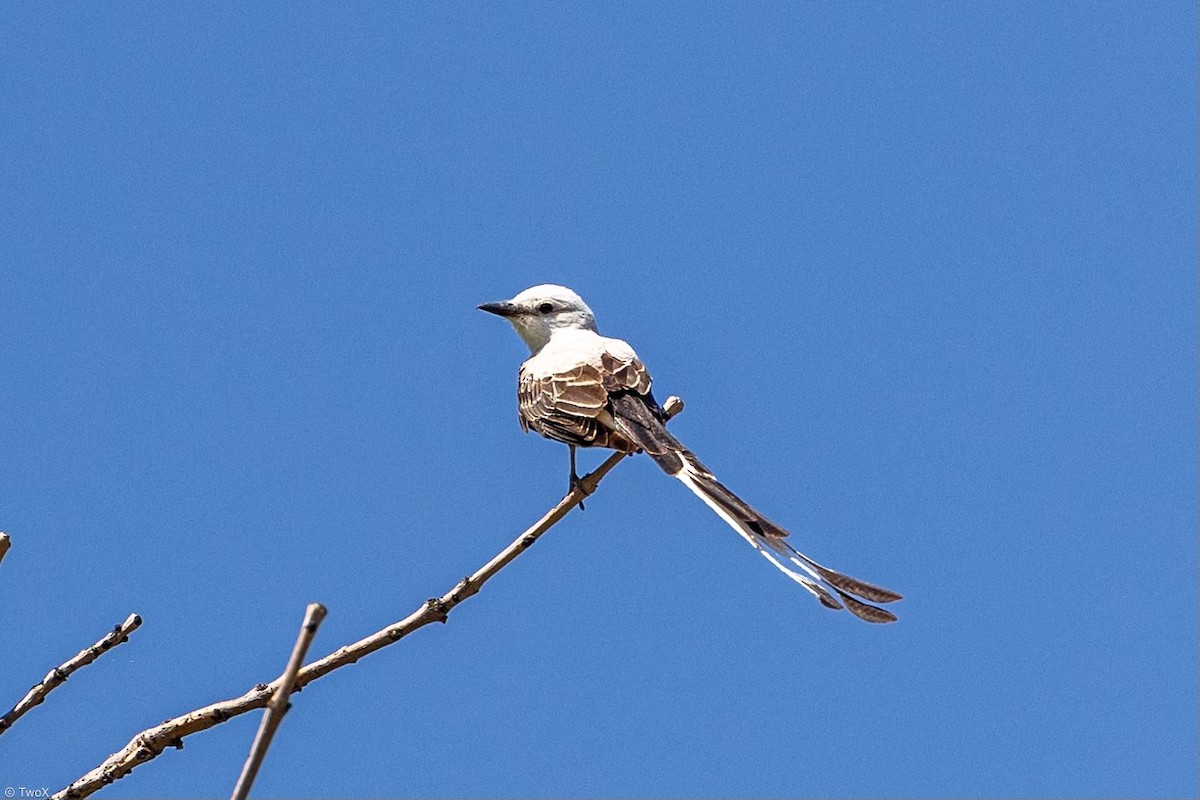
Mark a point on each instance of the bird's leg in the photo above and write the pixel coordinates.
(574, 475)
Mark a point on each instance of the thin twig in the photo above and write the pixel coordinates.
(279, 701)
(59, 674)
(5, 543)
(151, 742)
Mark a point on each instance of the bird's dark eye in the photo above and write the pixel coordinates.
(546, 308)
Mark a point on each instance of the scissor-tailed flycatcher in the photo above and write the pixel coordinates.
(587, 390)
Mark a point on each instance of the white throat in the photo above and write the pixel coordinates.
(537, 332)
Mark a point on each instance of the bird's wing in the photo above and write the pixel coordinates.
(564, 405)
(572, 405)
(625, 374)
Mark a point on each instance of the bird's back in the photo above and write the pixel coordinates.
(567, 349)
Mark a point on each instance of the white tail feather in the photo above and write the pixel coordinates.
(765, 546)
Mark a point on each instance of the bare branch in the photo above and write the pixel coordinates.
(151, 742)
(57, 676)
(5, 543)
(279, 701)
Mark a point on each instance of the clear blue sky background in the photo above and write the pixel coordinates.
(924, 273)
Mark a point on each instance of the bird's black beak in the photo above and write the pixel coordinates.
(502, 309)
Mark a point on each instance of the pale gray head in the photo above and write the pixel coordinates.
(539, 311)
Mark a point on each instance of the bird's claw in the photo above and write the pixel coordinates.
(577, 483)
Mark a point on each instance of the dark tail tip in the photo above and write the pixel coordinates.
(869, 591)
(865, 611)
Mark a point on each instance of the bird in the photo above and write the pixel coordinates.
(588, 390)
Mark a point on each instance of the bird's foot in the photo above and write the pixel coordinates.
(577, 483)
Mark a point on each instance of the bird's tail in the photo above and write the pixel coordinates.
(833, 589)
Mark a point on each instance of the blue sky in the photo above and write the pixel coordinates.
(925, 274)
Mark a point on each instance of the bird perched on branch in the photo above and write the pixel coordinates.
(588, 390)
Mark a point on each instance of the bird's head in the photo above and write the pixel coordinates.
(539, 311)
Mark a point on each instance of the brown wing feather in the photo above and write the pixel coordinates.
(621, 375)
(566, 406)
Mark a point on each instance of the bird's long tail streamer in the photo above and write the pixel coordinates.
(833, 589)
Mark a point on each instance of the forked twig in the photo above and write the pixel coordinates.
(151, 742)
(278, 705)
(57, 676)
